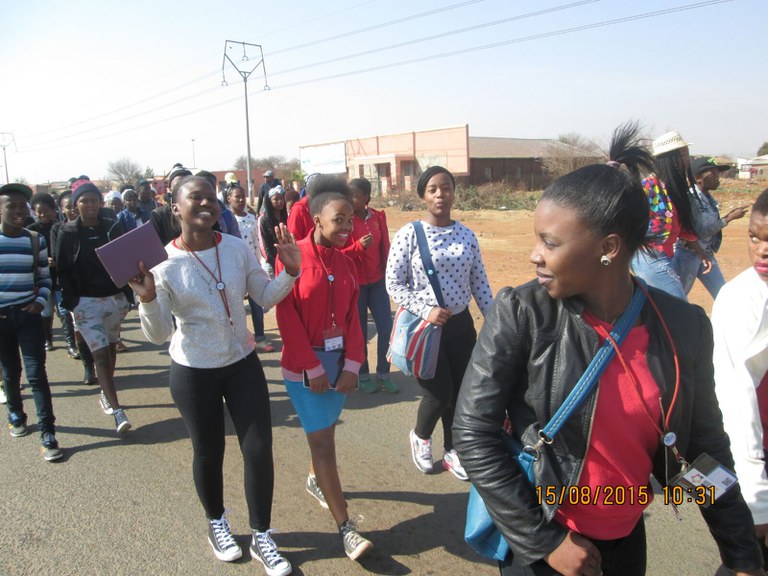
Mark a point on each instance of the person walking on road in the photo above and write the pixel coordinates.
(319, 319)
(25, 285)
(653, 410)
(202, 285)
(98, 306)
(459, 265)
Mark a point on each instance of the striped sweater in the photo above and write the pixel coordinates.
(17, 283)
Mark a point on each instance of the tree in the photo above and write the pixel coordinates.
(763, 149)
(570, 152)
(149, 173)
(124, 171)
(275, 163)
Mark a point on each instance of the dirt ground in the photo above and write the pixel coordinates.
(506, 238)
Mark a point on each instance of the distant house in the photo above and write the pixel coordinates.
(756, 168)
(394, 162)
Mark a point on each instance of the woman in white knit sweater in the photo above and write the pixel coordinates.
(202, 285)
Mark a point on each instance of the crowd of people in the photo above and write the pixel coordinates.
(643, 224)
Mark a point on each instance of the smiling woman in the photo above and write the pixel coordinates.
(652, 411)
(202, 285)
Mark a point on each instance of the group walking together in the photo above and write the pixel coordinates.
(588, 380)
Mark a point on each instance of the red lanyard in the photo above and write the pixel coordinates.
(328, 275)
(220, 286)
(668, 438)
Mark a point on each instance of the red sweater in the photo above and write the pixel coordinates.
(305, 313)
(621, 446)
(371, 262)
(300, 221)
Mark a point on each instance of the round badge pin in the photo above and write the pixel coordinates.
(220, 286)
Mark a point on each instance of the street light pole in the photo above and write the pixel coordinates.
(5, 141)
(244, 74)
(194, 162)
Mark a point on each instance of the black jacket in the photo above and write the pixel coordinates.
(67, 250)
(530, 353)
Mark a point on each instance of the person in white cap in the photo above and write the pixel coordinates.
(671, 215)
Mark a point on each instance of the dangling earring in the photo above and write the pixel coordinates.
(605, 260)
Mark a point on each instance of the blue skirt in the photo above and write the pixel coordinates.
(316, 411)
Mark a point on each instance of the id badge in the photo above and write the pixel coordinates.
(706, 479)
(333, 339)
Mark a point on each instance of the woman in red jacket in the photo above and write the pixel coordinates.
(319, 316)
(369, 248)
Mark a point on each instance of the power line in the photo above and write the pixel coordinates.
(379, 26)
(349, 56)
(530, 38)
(180, 86)
(441, 35)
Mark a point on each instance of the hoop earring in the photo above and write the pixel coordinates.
(605, 260)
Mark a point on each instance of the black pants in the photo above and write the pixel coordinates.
(198, 394)
(440, 393)
(621, 557)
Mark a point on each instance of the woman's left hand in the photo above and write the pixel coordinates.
(346, 382)
(287, 250)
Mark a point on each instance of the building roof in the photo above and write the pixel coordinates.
(487, 147)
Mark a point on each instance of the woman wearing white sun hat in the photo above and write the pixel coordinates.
(671, 215)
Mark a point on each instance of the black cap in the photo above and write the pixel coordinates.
(700, 165)
(16, 188)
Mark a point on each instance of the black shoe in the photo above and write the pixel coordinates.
(73, 353)
(89, 377)
(49, 346)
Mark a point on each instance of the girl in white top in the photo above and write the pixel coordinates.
(461, 274)
(203, 284)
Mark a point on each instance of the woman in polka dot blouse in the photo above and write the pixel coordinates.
(456, 256)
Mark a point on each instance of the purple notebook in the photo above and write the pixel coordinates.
(121, 257)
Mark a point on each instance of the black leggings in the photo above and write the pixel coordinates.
(198, 394)
(621, 557)
(440, 393)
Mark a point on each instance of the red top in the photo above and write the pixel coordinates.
(371, 262)
(762, 405)
(305, 313)
(621, 445)
(300, 222)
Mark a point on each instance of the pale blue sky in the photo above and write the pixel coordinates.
(85, 81)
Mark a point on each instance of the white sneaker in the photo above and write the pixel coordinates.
(220, 538)
(3, 399)
(264, 549)
(106, 407)
(452, 463)
(421, 451)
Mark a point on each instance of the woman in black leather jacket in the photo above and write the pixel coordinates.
(536, 343)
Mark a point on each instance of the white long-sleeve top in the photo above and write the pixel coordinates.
(740, 325)
(203, 337)
(459, 265)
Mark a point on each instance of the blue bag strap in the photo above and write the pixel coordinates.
(426, 259)
(592, 374)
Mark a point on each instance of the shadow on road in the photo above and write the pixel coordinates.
(441, 528)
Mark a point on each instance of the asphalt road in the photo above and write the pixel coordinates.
(127, 505)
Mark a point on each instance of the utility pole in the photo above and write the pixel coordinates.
(6, 139)
(194, 162)
(245, 72)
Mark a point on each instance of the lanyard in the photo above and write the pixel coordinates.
(328, 275)
(667, 437)
(220, 286)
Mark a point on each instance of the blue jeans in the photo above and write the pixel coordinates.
(374, 297)
(657, 271)
(257, 316)
(23, 331)
(689, 267)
